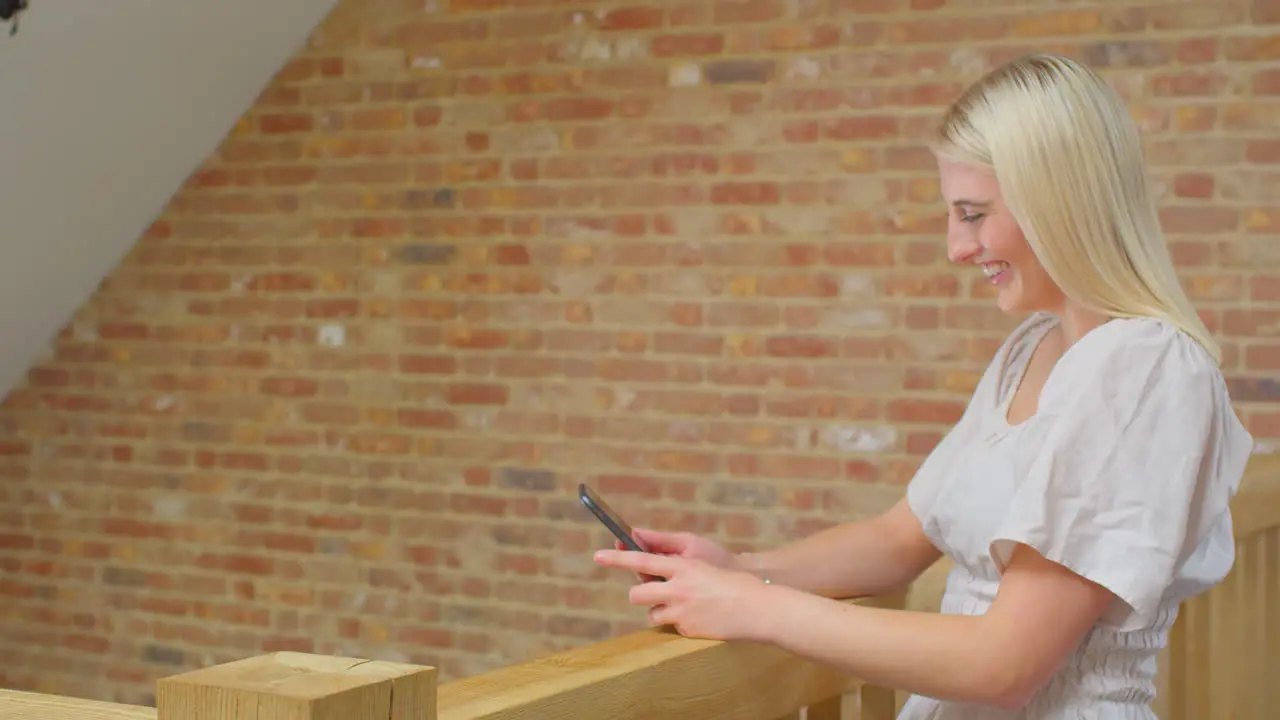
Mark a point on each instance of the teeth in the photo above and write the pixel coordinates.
(993, 269)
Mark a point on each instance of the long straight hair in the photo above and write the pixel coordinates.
(1070, 165)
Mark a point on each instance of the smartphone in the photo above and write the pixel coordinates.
(611, 520)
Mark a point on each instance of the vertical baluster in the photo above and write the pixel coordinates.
(877, 703)
(829, 709)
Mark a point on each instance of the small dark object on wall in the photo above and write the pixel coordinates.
(9, 9)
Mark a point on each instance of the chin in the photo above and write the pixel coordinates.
(1020, 305)
(1010, 303)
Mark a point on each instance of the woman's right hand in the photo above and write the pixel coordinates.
(685, 545)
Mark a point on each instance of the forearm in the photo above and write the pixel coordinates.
(870, 557)
(948, 657)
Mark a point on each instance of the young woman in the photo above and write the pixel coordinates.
(1084, 493)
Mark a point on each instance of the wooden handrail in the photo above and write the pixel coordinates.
(638, 675)
(21, 705)
(1223, 657)
(1222, 661)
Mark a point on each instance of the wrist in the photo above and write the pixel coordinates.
(768, 613)
(751, 563)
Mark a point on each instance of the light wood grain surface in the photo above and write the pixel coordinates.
(16, 705)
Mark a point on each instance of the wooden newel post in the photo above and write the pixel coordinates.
(297, 686)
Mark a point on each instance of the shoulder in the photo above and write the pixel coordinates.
(1149, 342)
(1133, 363)
(1130, 463)
(1137, 394)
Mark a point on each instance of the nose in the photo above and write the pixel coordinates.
(962, 247)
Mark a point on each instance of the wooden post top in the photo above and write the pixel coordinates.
(299, 686)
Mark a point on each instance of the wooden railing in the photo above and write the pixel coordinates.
(1223, 662)
(1223, 659)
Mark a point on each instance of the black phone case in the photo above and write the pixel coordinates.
(608, 521)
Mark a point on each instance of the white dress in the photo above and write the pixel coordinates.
(1124, 475)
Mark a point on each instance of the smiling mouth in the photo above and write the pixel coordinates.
(995, 271)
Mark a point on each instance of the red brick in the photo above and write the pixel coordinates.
(1262, 357)
(430, 116)
(687, 45)
(94, 644)
(861, 128)
(861, 7)
(434, 419)
(17, 542)
(289, 386)
(1189, 83)
(801, 346)
(333, 308)
(576, 108)
(1263, 151)
(858, 254)
(796, 38)
(285, 123)
(1067, 22)
(1194, 185)
(282, 282)
(922, 411)
(732, 72)
(377, 443)
(1198, 50)
(746, 11)
(237, 564)
(632, 18)
(204, 282)
(1251, 323)
(745, 194)
(1264, 11)
(1265, 288)
(1261, 220)
(1267, 82)
(477, 394)
(821, 286)
(1190, 221)
(1192, 119)
(379, 119)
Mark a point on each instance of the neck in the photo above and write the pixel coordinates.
(1076, 322)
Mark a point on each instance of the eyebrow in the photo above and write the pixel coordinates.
(975, 203)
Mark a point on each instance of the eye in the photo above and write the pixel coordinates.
(974, 217)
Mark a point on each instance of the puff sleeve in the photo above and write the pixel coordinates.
(1130, 469)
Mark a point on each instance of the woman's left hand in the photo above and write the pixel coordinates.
(696, 599)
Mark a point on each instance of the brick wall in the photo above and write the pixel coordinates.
(463, 254)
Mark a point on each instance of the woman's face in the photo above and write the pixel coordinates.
(981, 231)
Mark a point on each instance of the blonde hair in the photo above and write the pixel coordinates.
(1070, 165)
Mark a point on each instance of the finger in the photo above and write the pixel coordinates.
(662, 616)
(650, 593)
(643, 563)
(658, 615)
